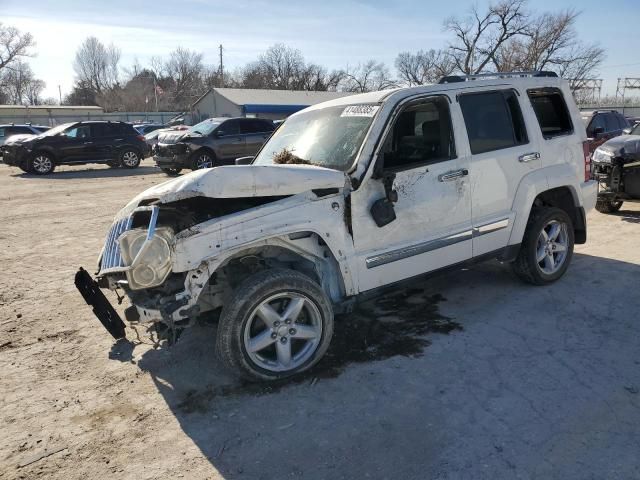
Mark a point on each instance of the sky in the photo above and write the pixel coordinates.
(332, 33)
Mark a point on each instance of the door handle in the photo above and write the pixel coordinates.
(450, 176)
(88, 143)
(528, 157)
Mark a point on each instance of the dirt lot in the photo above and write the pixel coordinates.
(469, 375)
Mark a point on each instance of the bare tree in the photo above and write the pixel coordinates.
(424, 66)
(481, 34)
(367, 77)
(13, 45)
(96, 66)
(20, 86)
(184, 70)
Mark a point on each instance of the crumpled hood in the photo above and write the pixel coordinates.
(20, 138)
(175, 136)
(241, 181)
(627, 145)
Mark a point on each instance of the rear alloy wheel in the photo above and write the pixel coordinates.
(278, 323)
(130, 159)
(547, 247)
(202, 160)
(171, 171)
(41, 164)
(607, 206)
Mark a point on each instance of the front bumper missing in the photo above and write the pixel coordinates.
(102, 309)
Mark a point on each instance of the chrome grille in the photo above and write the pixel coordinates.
(111, 257)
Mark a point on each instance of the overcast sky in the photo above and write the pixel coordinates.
(333, 33)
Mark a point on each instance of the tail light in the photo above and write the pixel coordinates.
(587, 161)
(141, 137)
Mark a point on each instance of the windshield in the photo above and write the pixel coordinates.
(204, 128)
(56, 130)
(329, 137)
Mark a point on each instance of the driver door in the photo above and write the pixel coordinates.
(230, 143)
(76, 144)
(432, 228)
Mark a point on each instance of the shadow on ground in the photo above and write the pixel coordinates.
(629, 216)
(530, 386)
(92, 173)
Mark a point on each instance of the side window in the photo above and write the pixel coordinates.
(596, 122)
(99, 130)
(610, 122)
(249, 126)
(622, 122)
(494, 121)
(551, 112)
(230, 127)
(421, 134)
(79, 131)
(18, 130)
(2, 132)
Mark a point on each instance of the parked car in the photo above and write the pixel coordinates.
(12, 130)
(616, 167)
(114, 143)
(145, 128)
(601, 125)
(213, 142)
(346, 198)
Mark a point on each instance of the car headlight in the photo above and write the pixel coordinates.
(149, 259)
(602, 156)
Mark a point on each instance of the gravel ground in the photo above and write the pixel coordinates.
(469, 375)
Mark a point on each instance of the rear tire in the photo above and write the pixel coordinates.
(547, 246)
(129, 158)
(607, 206)
(278, 323)
(41, 163)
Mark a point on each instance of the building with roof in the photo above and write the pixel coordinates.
(47, 114)
(246, 102)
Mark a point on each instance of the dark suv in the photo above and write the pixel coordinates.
(602, 125)
(213, 142)
(114, 143)
(8, 131)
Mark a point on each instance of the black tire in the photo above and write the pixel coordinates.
(247, 297)
(129, 158)
(526, 265)
(41, 163)
(114, 164)
(24, 168)
(171, 171)
(607, 206)
(202, 159)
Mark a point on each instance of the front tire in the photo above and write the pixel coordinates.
(41, 163)
(547, 246)
(278, 323)
(129, 158)
(607, 206)
(202, 159)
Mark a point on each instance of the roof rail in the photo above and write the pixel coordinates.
(480, 76)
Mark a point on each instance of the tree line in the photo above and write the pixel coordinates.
(503, 36)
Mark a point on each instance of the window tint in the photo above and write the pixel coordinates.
(611, 122)
(551, 111)
(17, 130)
(622, 121)
(2, 132)
(122, 129)
(100, 130)
(230, 127)
(421, 134)
(255, 126)
(493, 120)
(598, 121)
(79, 131)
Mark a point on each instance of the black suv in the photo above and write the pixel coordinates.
(602, 125)
(7, 131)
(114, 143)
(213, 142)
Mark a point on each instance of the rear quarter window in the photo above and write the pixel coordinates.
(551, 111)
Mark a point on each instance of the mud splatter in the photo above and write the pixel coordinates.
(396, 324)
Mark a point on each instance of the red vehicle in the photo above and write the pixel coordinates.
(603, 125)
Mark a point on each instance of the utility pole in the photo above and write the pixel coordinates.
(60, 95)
(221, 68)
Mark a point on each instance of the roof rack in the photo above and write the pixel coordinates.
(481, 76)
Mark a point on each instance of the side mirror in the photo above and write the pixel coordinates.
(383, 212)
(218, 133)
(598, 131)
(244, 160)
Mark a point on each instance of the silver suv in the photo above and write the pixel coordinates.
(347, 197)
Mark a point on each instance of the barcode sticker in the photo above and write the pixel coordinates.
(360, 111)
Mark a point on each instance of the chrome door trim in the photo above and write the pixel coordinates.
(490, 227)
(420, 248)
(529, 157)
(450, 176)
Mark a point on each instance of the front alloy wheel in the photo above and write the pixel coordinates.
(41, 164)
(202, 160)
(278, 323)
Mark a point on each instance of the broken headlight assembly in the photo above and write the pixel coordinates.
(147, 254)
(602, 156)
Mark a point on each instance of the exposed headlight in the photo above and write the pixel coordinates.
(602, 156)
(150, 260)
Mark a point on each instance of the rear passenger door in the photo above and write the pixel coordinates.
(102, 137)
(501, 152)
(230, 143)
(256, 133)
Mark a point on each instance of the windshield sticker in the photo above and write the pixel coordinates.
(360, 111)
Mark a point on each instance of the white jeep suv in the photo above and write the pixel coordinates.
(346, 197)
